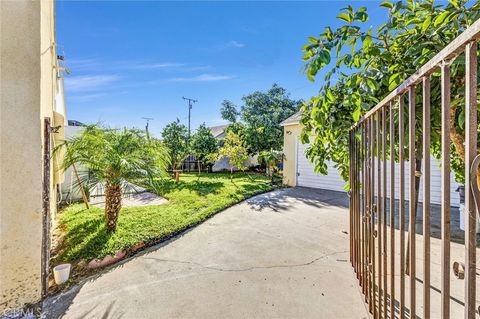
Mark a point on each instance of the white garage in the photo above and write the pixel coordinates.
(306, 176)
(298, 171)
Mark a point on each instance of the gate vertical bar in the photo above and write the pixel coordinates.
(401, 209)
(368, 216)
(470, 153)
(362, 207)
(412, 216)
(379, 211)
(365, 211)
(392, 211)
(357, 202)
(358, 199)
(372, 220)
(384, 208)
(354, 196)
(351, 196)
(445, 207)
(426, 197)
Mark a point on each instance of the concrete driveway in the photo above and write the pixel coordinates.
(282, 254)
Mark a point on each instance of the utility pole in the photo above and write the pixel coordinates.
(190, 101)
(148, 119)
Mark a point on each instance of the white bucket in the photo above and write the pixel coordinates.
(462, 218)
(61, 273)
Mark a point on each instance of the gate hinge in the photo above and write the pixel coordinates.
(55, 129)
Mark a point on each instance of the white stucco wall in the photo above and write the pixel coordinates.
(69, 190)
(27, 90)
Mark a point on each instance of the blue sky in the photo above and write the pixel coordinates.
(137, 59)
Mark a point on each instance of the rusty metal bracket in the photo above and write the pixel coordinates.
(55, 129)
(459, 270)
(473, 182)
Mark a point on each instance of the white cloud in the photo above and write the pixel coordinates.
(94, 65)
(202, 78)
(82, 64)
(195, 68)
(88, 97)
(155, 65)
(235, 44)
(86, 83)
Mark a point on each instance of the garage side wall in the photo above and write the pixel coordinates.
(290, 137)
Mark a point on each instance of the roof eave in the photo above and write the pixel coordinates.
(289, 123)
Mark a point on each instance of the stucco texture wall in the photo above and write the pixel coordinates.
(290, 138)
(26, 97)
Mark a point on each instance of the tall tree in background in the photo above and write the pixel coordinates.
(204, 145)
(229, 111)
(262, 114)
(175, 136)
(369, 63)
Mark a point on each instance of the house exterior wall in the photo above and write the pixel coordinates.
(223, 164)
(69, 190)
(27, 90)
(290, 137)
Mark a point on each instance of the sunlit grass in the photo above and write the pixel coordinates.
(191, 201)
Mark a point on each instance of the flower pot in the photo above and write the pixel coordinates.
(61, 273)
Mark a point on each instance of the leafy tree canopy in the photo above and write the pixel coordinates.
(261, 116)
(229, 111)
(204, 145)
(362, 65)
(175, 137)
(234, 149)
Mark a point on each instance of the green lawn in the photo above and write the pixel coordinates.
(191, 201)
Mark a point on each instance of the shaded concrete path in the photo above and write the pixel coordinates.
(282, 254)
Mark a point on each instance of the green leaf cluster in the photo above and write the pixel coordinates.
(204, 145)
(362, 65)
(175, 137)
(261, 115)
(115, 156)
(234, 149)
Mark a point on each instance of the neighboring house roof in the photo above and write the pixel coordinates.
(294, 119)
(218, 131)
(75, 123)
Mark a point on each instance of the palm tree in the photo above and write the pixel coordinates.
(115, 158)
(271, 158)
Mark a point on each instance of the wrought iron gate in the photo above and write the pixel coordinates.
(384, 260)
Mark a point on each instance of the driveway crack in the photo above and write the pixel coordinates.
(311, 262)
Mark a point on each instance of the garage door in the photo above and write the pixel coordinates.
(307, 177)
